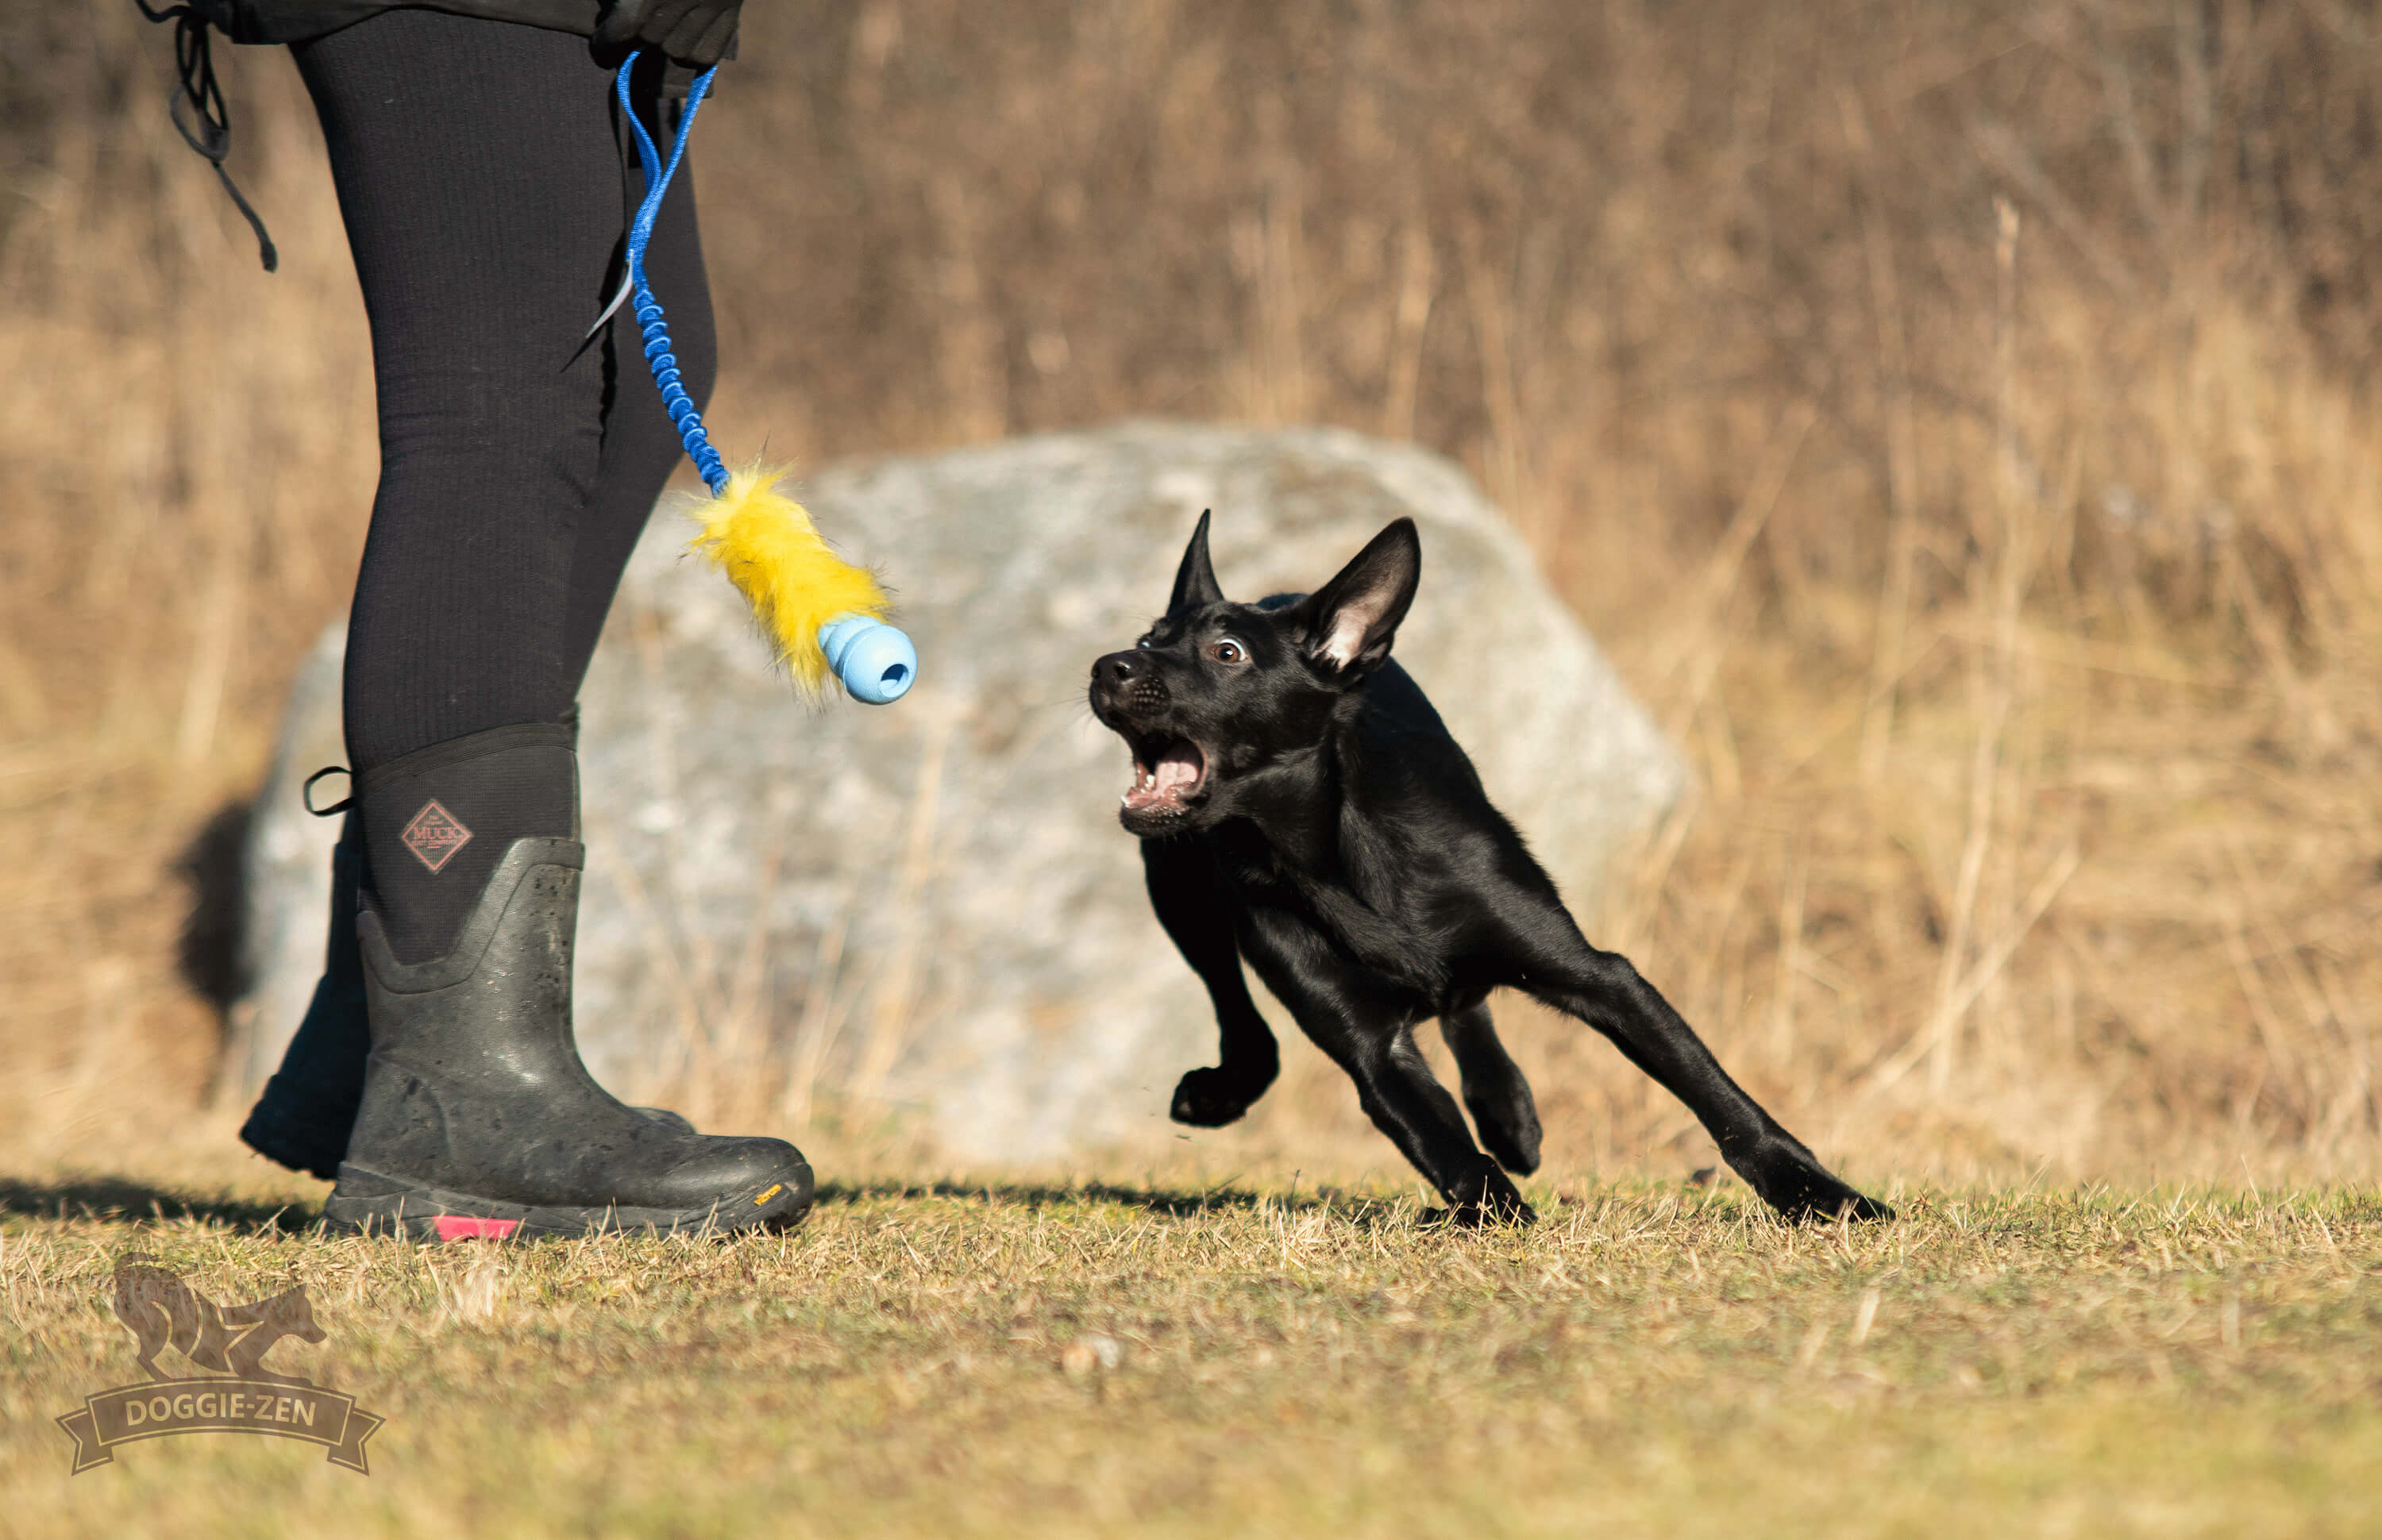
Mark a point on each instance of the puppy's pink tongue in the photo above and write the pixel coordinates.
(1177, 771)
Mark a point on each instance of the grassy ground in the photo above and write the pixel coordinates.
(1086, 1359)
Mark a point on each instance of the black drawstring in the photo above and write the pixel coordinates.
(212, 136)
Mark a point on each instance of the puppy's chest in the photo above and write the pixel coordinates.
(1287, 908)
(1258, 876)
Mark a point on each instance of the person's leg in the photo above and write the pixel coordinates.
(479, 186)
(476, 173)
(303, 1116)
(476, 178)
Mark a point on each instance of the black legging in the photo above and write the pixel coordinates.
(484, 180)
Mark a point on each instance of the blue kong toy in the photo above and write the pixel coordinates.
(825, 615)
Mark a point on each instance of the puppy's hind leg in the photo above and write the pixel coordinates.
(1183, 890)
(1494, 1091)
(1361, 1031)
(1554, 962)
(1405, 1101)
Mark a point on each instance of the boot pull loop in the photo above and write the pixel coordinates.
(306, 792)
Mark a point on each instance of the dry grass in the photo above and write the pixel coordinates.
(2011, 577)
(1001, 1359)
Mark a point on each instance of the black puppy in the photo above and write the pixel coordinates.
(1300, 805)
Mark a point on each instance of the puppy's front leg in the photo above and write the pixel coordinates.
(1183, 890)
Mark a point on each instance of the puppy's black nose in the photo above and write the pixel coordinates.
(1118, 669)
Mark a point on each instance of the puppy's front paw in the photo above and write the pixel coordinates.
(1211, 1098)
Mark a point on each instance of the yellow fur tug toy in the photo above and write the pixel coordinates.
(825, 616)
(804, 596)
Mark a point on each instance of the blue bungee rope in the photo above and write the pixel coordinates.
(874, 662)
(648, 310)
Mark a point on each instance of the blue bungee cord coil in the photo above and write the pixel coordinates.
(826, 616)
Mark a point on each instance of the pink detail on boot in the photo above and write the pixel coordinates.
(460, 1227)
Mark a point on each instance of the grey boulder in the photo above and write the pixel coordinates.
(929, 905)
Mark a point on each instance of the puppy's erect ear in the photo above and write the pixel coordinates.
(1194, 581)
(1356, 613)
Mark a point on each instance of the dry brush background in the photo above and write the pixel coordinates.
(1957, 420)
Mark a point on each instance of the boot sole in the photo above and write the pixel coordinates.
(369, 1203)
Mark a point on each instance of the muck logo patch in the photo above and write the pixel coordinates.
(434, 835)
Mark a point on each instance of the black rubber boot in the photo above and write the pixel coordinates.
(302, 1119)
(308, 1107)
(478, 1117)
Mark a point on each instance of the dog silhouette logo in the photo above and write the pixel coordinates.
(242, 1396)
(161, 1311)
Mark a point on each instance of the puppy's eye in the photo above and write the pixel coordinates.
(1141, 641)
(1229, 651)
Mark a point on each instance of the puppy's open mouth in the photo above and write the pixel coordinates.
(1166, 776)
